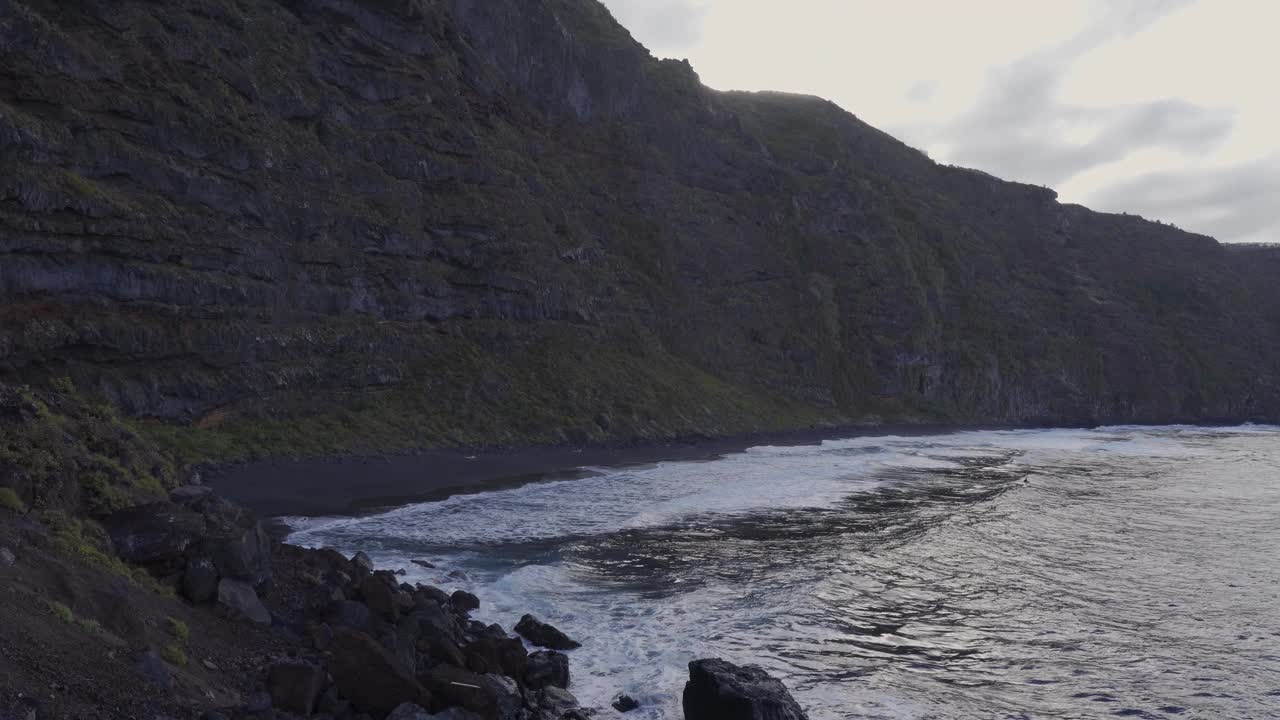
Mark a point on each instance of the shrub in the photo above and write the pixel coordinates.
(173, 654)
(62, 612)
(177, 629)
(10, 501)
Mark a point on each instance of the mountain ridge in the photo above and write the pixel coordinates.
(264, 228)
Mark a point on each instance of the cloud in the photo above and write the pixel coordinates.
(1236, 202)
(667, 27)
(1021, 129)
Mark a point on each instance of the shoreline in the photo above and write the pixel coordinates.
(360, 484)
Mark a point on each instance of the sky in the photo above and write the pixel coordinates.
(1169, 109)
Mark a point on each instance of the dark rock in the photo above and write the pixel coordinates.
(492, 697)
(349, 614)
(718, 690)
(557, 701)
(155, 536)
(427, 593)
(200, 580)
(423, 563)
(458, 575)
(362, 563)
(464, 600)
(544, 635)
(624, 703)
(214, 715)
(239, 599)
(409, 711)
(295, 686)
(258, 702)
(188, 494)
(154, 668)
(379, 595)
(547, 668)
(321, 636)
(333, 704)
(370, 677)
(439, 649)
(495, 652)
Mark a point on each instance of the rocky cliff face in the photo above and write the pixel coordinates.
(260, 226)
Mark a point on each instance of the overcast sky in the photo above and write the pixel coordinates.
(1165, 108)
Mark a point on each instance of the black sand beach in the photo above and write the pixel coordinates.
(354, 484)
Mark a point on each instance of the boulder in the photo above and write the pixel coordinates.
(492, 697)
(321, 636)
(719, 690)
(442, 650)
(380, 596)
(370, 677)
(258, 702)
(464, 601)
(295, 686)
(361, 563)
(426, 593)
(624, 703)
(547, 668)
(544, 635)
(423, 564)
(349, 614)
(154, 668)
(200, 580)
(557, 701)
(156, 536)
(188, 494)
(239, 599)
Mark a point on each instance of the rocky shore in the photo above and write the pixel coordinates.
(187, 608)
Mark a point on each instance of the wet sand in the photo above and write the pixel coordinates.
(345, 485)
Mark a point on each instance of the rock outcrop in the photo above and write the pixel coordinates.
(275, 227)
(719, 690)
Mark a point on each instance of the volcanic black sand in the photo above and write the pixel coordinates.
(352, 484)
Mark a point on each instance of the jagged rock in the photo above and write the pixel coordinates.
(321, 636)
(154, 668)
(494, 652)
(239, 599)
(427, 593)
(440, 649)
(624, 703)
(369, 676)
(544, 635)
(380, 595)
(200, 580)
(492, 697)
(361, 562)
(409, 711)
(349, 614)
(719, 690)
(557, 700)
(295, 686)
(547, 668)
(464, 601)
(155, 536)
(424, 564)
(188, 494)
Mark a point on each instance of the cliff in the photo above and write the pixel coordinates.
(255, 227)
